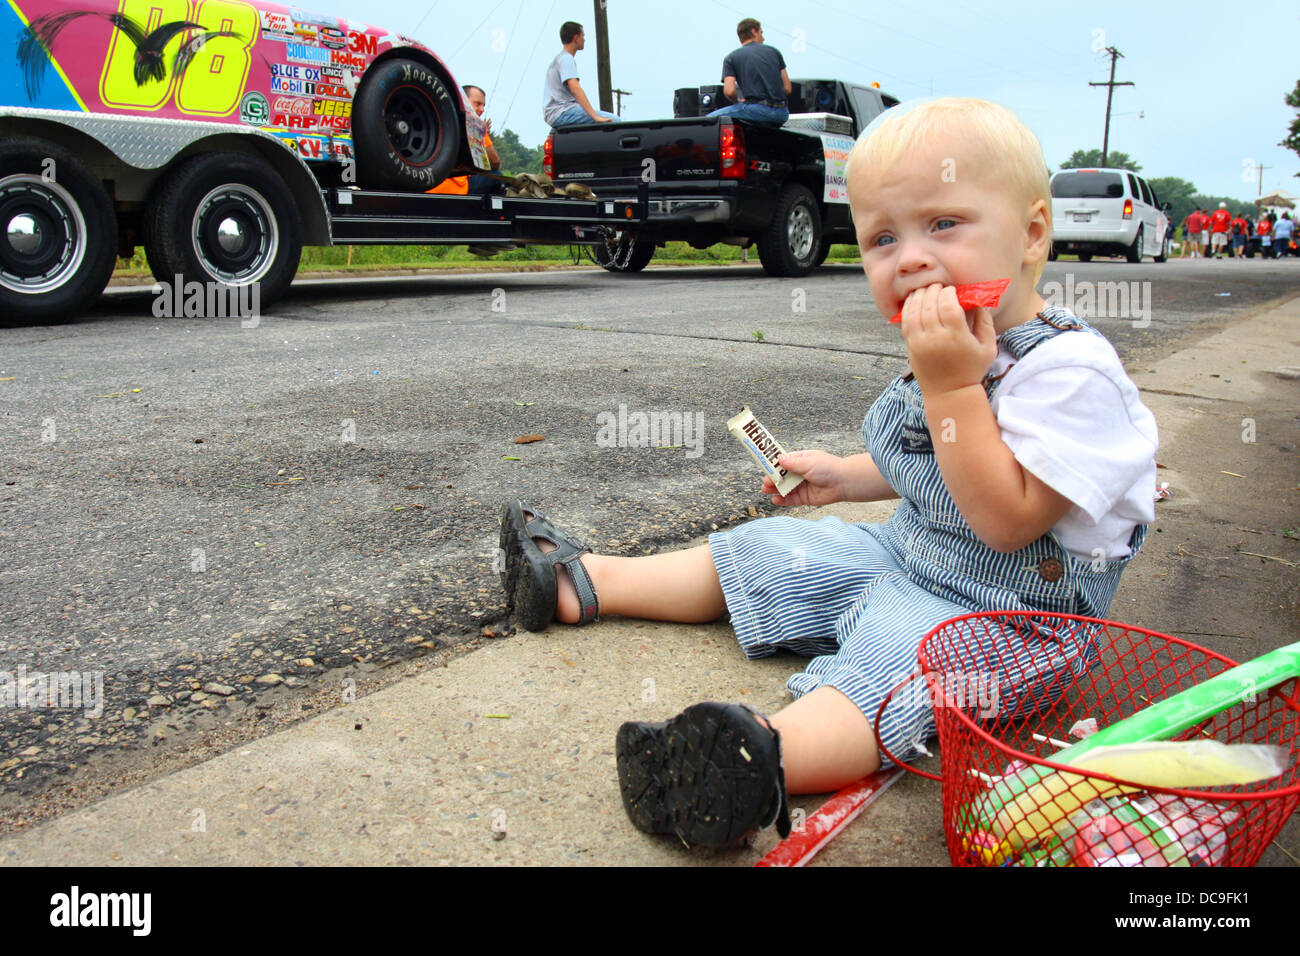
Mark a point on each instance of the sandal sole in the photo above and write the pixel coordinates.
(528, 578)
(707, 775)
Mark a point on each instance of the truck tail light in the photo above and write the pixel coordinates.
(1128, 209)
(731, 148)
(548, 156)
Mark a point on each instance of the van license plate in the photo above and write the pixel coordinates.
(1083, 217)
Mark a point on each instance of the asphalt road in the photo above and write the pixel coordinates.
(188, 503)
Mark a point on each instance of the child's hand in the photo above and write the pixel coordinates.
(947, 351)
(822, 479)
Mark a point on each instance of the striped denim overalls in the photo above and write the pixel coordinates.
(860, 598)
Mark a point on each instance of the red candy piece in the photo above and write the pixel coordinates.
(976, 295)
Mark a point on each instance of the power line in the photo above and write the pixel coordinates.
(425, 17)
(503, 52)
(527, 64)
(474, 32)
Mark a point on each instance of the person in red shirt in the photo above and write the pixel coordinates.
(1265, 232)
(1219, 230)
(1191, 233)
(1239, 229)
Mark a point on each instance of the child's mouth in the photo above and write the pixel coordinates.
(975, 295)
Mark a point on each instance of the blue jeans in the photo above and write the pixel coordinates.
(480, 185)
(756, 112)
(577, 116)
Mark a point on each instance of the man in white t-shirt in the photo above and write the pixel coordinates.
(565, 103)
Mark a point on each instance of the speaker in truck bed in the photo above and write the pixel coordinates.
(686, 101)
(711, 98)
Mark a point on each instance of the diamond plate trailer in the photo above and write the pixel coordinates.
(223, 135)
(216, 203)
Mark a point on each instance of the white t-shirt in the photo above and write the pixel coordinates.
(558, 97)
(1073, 418)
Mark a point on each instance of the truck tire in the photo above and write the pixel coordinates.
(822, 252)
(790, 244)
(224, 218)
(619, 260)
(60, 232)
(1134, 252)
(406, 128)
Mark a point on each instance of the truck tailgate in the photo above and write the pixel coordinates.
(683, 150)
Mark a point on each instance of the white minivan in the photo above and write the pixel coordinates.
(1107, 212)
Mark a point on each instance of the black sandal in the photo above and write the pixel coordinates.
(712, 775)
(529, 574)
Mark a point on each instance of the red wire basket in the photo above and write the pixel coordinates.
(1007, 802)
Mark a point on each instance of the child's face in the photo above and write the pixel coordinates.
(935, 218)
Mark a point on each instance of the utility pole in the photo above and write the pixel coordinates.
(1259, 191)
(602, 58)
(1110, 92)
(620, 94)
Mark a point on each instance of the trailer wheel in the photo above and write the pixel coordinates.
(789, 245)
(60, 232)
(406, 128)
(228, 219)
(619, 258)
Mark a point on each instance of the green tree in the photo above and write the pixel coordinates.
(1292, 142)
(1235, 206)
(515, 156)
(1088, 158)
(1179, 193)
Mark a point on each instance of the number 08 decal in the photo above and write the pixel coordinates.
(205, 68)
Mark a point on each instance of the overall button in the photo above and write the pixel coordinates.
(1050, 569)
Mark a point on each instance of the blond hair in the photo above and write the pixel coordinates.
(1001, 148)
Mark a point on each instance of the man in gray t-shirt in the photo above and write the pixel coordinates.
(755, 74)
(565, 103)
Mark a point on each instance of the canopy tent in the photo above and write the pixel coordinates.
(1279, 199)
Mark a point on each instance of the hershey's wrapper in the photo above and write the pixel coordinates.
(749, 431)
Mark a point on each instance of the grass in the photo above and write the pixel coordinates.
(362, 259)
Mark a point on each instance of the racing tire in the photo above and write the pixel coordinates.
(1085, 257)
(790, 244)
(619, 261)
(1164, 251)
(405, 128)
(1134, 253)
(60, 241)
(228, 219)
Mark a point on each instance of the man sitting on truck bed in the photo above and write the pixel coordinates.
(755, 74)
(566, 104)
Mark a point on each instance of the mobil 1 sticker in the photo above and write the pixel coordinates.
(836, 149)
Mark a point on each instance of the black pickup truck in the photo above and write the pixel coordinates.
(723, 179)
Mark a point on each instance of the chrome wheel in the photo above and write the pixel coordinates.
(44, 240)
(799, 232)
(235, 234)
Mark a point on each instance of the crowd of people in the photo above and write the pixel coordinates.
(1220, 234)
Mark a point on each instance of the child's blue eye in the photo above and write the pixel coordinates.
(945, 223)
(883, 240)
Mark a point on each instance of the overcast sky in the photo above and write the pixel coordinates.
(1207, 106)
